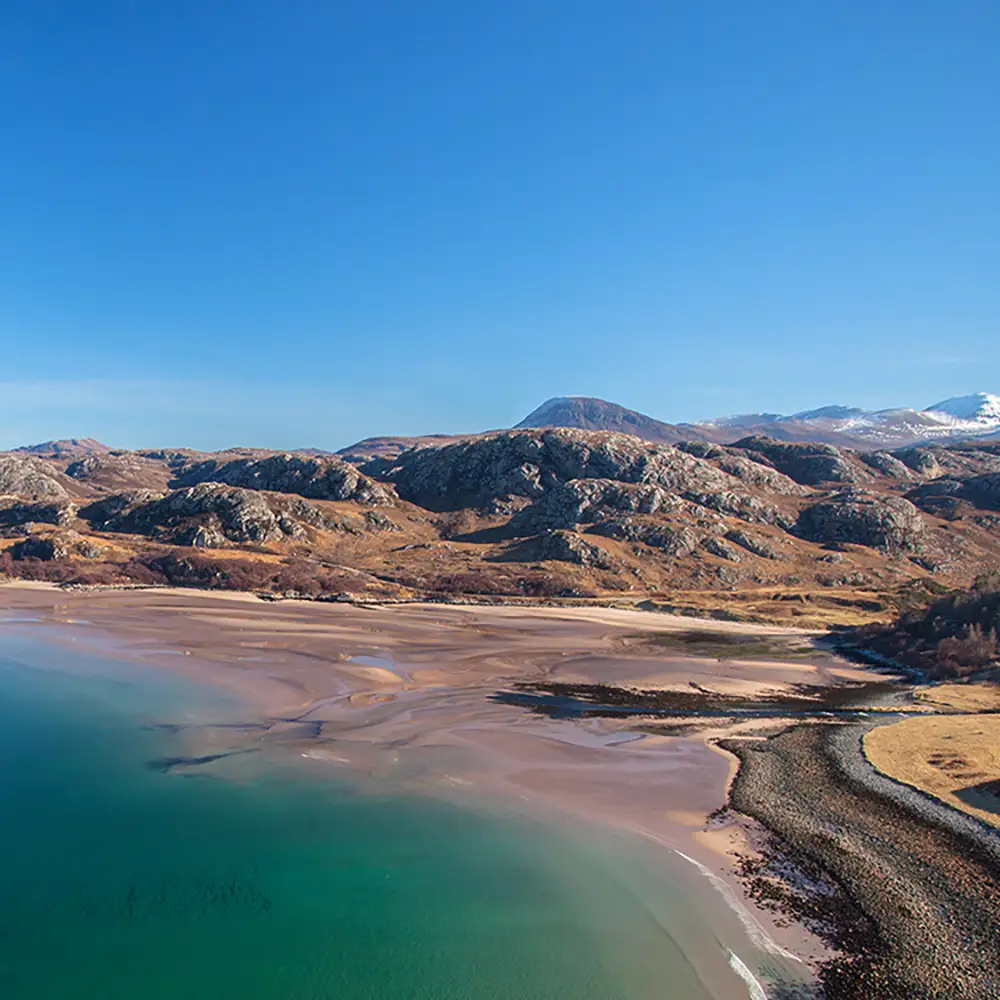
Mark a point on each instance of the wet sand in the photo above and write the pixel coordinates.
(404, 696)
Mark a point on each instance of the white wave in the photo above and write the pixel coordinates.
(753, 986)
(758, 936)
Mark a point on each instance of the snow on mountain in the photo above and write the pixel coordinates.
(980, 408)
(965, 417)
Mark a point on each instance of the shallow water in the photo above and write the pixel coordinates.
(119, 879)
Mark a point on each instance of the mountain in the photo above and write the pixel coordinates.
(65, 448)
(980, 407)
(591, 414)
(961, 418)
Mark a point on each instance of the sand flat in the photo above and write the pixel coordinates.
(430, 723)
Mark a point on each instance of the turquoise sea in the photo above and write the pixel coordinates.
(120, 881)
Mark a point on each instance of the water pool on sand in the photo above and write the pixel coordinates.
(119, 881)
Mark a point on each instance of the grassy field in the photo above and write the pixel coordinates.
(953, 757)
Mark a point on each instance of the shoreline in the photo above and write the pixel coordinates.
(401, 696)
(912, 899)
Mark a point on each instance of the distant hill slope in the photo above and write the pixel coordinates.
(590, 414)
(963, 418)
(65, 448)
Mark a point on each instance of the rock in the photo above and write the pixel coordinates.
(807, 464)
(377, 521)
(28, 477)
(945, 496)
(586, 501)
(860, 518)
(207, 515)
(923, 461)
(754, 545)
(45, 549)
(886, 464)
(530, 463)
(749, 470)
(560, 546)
(23, 513)
(674, 542)
(316, 477)
(721, 549)
(745, 506)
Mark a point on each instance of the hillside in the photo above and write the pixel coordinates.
(528, 513)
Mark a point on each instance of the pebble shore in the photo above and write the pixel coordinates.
(920, 879)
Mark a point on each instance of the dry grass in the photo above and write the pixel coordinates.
(950, 757)
(983, 697)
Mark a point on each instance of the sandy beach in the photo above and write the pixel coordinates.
(405, 696)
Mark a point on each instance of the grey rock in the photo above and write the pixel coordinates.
(923, 461)
(886, 464)
(561, 546)
(586, 501)
(860, 518)
(59, 512)
(754, 545)
(207, 515)
(807, 464)
(722, 549)
(674, 542)
(529, 463)
(28, 477)
(316, 477)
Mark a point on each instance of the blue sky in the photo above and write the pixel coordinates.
(301, 223)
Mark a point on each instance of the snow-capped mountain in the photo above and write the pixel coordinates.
(979, 408)
(961, 418)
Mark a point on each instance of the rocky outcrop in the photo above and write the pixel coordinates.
(209, 515)
(560, 546)
(750, 471)
(19, 513)
(923, 461)
(755, 546)
(316, 477)
(945, 497)
(860, 518)
(45, 549)
(530, 463)
(28, 477)
(885, 464)
(807, 464)
(722, 549)
(676, 542)
(587, 501)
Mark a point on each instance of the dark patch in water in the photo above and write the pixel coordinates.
(166, 764)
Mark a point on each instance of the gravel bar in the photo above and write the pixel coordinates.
(926, 877)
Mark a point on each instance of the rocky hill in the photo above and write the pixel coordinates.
(591, 414)
(534, 512)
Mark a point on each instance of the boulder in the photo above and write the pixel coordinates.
(756, 546)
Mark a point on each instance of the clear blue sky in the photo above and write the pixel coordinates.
(303, 222)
